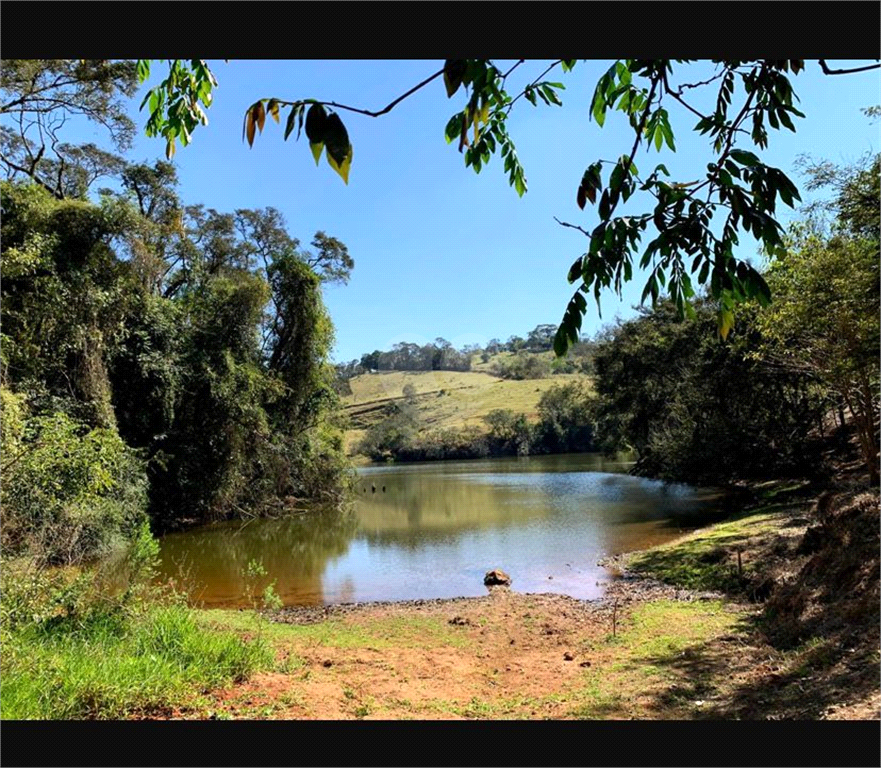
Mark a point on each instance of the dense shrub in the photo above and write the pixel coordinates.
(69, 492)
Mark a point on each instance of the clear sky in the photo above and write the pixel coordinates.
(439, 250)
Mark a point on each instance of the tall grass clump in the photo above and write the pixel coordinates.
(103, 644)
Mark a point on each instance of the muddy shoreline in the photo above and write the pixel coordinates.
(621, 590)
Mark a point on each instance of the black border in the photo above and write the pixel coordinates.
(384, 30)
(440, 30)
(476, 743)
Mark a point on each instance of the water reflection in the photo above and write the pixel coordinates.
(211, 561)
(438, 527)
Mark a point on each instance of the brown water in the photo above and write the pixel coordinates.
(438, 527)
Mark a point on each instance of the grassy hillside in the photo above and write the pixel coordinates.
(445, 399)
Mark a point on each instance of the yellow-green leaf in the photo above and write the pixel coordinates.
(316, 120)
(336, 138)
(342, 168)
(317, 148)
(726, 322)
(272, 109)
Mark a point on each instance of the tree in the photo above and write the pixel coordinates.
(566, 414)
(825, 319)
(159, 354)
(39, 96)
(693, 225)
(697, 409)
(370, 361)
(541, 337)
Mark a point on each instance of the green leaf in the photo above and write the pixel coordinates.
(316, 147)
(605, 207)
(454, 127)
(292, 120)
(598, 108)
(570, 326)
(668, 133)
(316, 120)
(336, 138)
(591, 181)
(744, 158)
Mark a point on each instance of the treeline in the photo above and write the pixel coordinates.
(528, 358)
(160, 361)
(696, 407)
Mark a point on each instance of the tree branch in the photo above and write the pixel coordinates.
(514, 100)
(827, 71)
(56, 193)
(384, 110)
(572, 226)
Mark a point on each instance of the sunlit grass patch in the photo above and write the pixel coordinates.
(706, 560)
(112, 667)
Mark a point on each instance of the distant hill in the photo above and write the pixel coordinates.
(445, 399)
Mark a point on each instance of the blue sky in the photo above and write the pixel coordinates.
(440, 250)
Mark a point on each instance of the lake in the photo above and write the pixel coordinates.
(433, 529)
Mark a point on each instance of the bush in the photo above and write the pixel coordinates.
(522, 366)
(69, 493)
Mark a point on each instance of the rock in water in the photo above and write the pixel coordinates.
(496, 576)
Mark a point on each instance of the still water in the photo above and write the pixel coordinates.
(437, 527)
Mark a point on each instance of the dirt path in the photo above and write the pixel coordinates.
(505, 655)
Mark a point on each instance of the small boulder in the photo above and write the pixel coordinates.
(568, 656)
(495, 577)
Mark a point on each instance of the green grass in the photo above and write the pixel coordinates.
(115, 666)
(706, 560)
(379, 634)
(649, 644)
